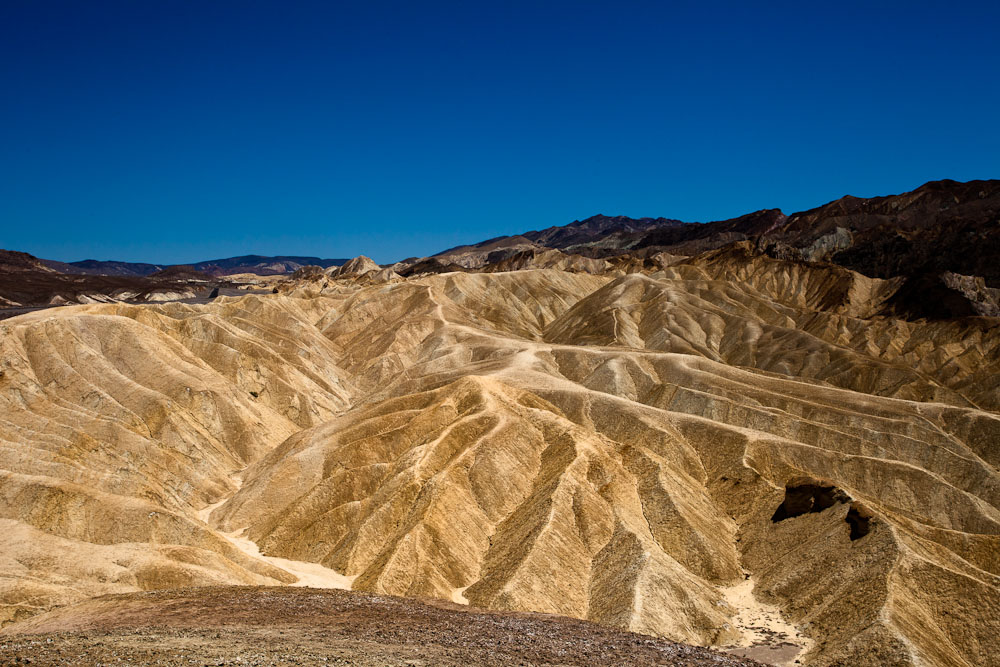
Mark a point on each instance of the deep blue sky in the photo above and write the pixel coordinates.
(172, 131)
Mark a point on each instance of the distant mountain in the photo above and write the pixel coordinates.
(93, 267)
(12, 261)
(181, 272)
(604, 236)
(259, 264)
(597, 230)
(942, 226)
(27, 282)
(262, 265)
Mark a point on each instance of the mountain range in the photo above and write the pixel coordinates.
(940, 226)
(776, 436)
(258, 264)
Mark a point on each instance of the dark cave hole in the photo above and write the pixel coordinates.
(810, 497)
(814, 496)
(860, 521)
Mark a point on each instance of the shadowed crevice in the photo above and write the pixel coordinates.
(808, 497)
(859, 518)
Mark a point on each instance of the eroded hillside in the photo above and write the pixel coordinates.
(629, 444)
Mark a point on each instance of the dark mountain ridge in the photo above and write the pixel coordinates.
(596, 227)
(259, 264)
(28, 283)
(942, 226)
(94, 267)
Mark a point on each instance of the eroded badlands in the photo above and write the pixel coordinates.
(626, 448)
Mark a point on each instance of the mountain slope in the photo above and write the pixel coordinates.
(670, 452)
(942, 226)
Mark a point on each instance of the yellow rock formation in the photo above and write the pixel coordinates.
(623, 447)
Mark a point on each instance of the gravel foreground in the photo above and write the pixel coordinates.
(302, 626)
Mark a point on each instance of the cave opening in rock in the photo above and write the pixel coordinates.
(860, 520)
(808, 497)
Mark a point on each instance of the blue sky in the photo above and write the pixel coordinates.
(176, 131)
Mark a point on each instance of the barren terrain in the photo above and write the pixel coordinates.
(282, 626)
(732, 450)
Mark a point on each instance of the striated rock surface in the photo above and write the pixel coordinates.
(667, 448)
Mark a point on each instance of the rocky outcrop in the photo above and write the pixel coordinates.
(358, 266)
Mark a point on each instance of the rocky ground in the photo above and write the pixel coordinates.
(302, 626)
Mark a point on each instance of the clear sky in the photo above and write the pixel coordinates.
(182, 130)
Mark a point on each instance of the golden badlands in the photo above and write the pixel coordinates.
(703, 449)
